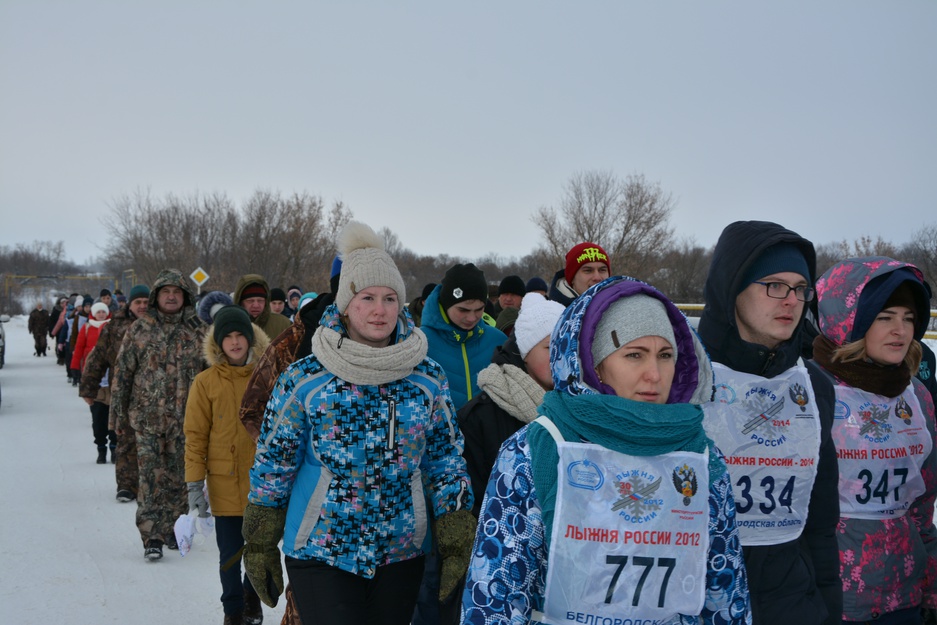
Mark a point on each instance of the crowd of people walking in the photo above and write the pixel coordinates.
(500, 449)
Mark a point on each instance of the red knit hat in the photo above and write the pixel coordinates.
(253, 290)
(581, 254)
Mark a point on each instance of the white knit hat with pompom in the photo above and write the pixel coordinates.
(365, 264)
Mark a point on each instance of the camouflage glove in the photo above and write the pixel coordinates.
(455, 533)
(262, 530)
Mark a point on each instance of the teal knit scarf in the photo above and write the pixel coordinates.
(623, 425)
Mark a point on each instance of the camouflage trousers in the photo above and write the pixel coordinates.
(126, 469)
(161, 494)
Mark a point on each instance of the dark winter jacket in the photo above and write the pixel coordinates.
(925, 372)
(560, 290)
(485, 424)
(57, 311)
(272, 324)
(38, 322)
(798, 581)
(462, 353)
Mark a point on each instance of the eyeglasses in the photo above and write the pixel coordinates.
(779, 290)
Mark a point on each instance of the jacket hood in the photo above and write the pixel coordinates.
(740, 245)
(209, 301)
(253, 278)
(214, 355)
(560, 290)
(842, 293)
(434, 317)
(571, 344)
(171, 277)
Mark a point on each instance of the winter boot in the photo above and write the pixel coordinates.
(102, 454)
(113, 455)
(253, 611)
(234, 619)
(123, 496)
(153, 550)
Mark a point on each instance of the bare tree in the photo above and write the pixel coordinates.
(286, 240)
(828, 254)
(629, 218)
(682, 272)
(922, 251)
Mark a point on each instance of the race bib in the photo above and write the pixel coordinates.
(769, 431)
(881, 444)
(630, 536)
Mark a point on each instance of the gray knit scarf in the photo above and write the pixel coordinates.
(362, 364)
(513, 390)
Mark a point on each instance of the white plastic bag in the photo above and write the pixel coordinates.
(191, 529)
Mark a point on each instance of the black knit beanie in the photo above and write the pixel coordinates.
(462, 283)
(232, 319)
(513, 285)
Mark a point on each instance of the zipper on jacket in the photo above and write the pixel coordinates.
(468, 374)
(392, 426)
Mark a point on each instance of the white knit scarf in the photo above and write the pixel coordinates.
(513, 390)
(362, 364)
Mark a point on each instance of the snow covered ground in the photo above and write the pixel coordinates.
(69, 552)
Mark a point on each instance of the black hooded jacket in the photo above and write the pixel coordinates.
(795, 582)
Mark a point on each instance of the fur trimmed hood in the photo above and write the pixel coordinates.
(213, 355)
(209, 301)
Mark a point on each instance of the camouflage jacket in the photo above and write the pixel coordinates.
(276, 358)
(159, 357)
(104, 354)
(285, 349)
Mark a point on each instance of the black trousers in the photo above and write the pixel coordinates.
(326, 595)
(103, 437)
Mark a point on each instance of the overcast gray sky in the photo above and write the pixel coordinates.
(452, 122)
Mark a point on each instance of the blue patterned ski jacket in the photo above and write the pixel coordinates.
(507, 573)
(357, 464)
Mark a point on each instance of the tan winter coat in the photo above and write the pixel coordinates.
(217, 447)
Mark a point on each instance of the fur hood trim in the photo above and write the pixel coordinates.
(213, 354)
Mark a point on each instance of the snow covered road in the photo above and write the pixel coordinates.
(69, 552)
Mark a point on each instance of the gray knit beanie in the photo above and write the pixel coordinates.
(630, 318)
(365, 264)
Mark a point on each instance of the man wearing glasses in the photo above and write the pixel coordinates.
(771, 416)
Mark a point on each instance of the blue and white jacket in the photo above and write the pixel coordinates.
(357, 465)
(462, 353)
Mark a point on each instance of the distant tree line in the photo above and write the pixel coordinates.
(290, 239)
